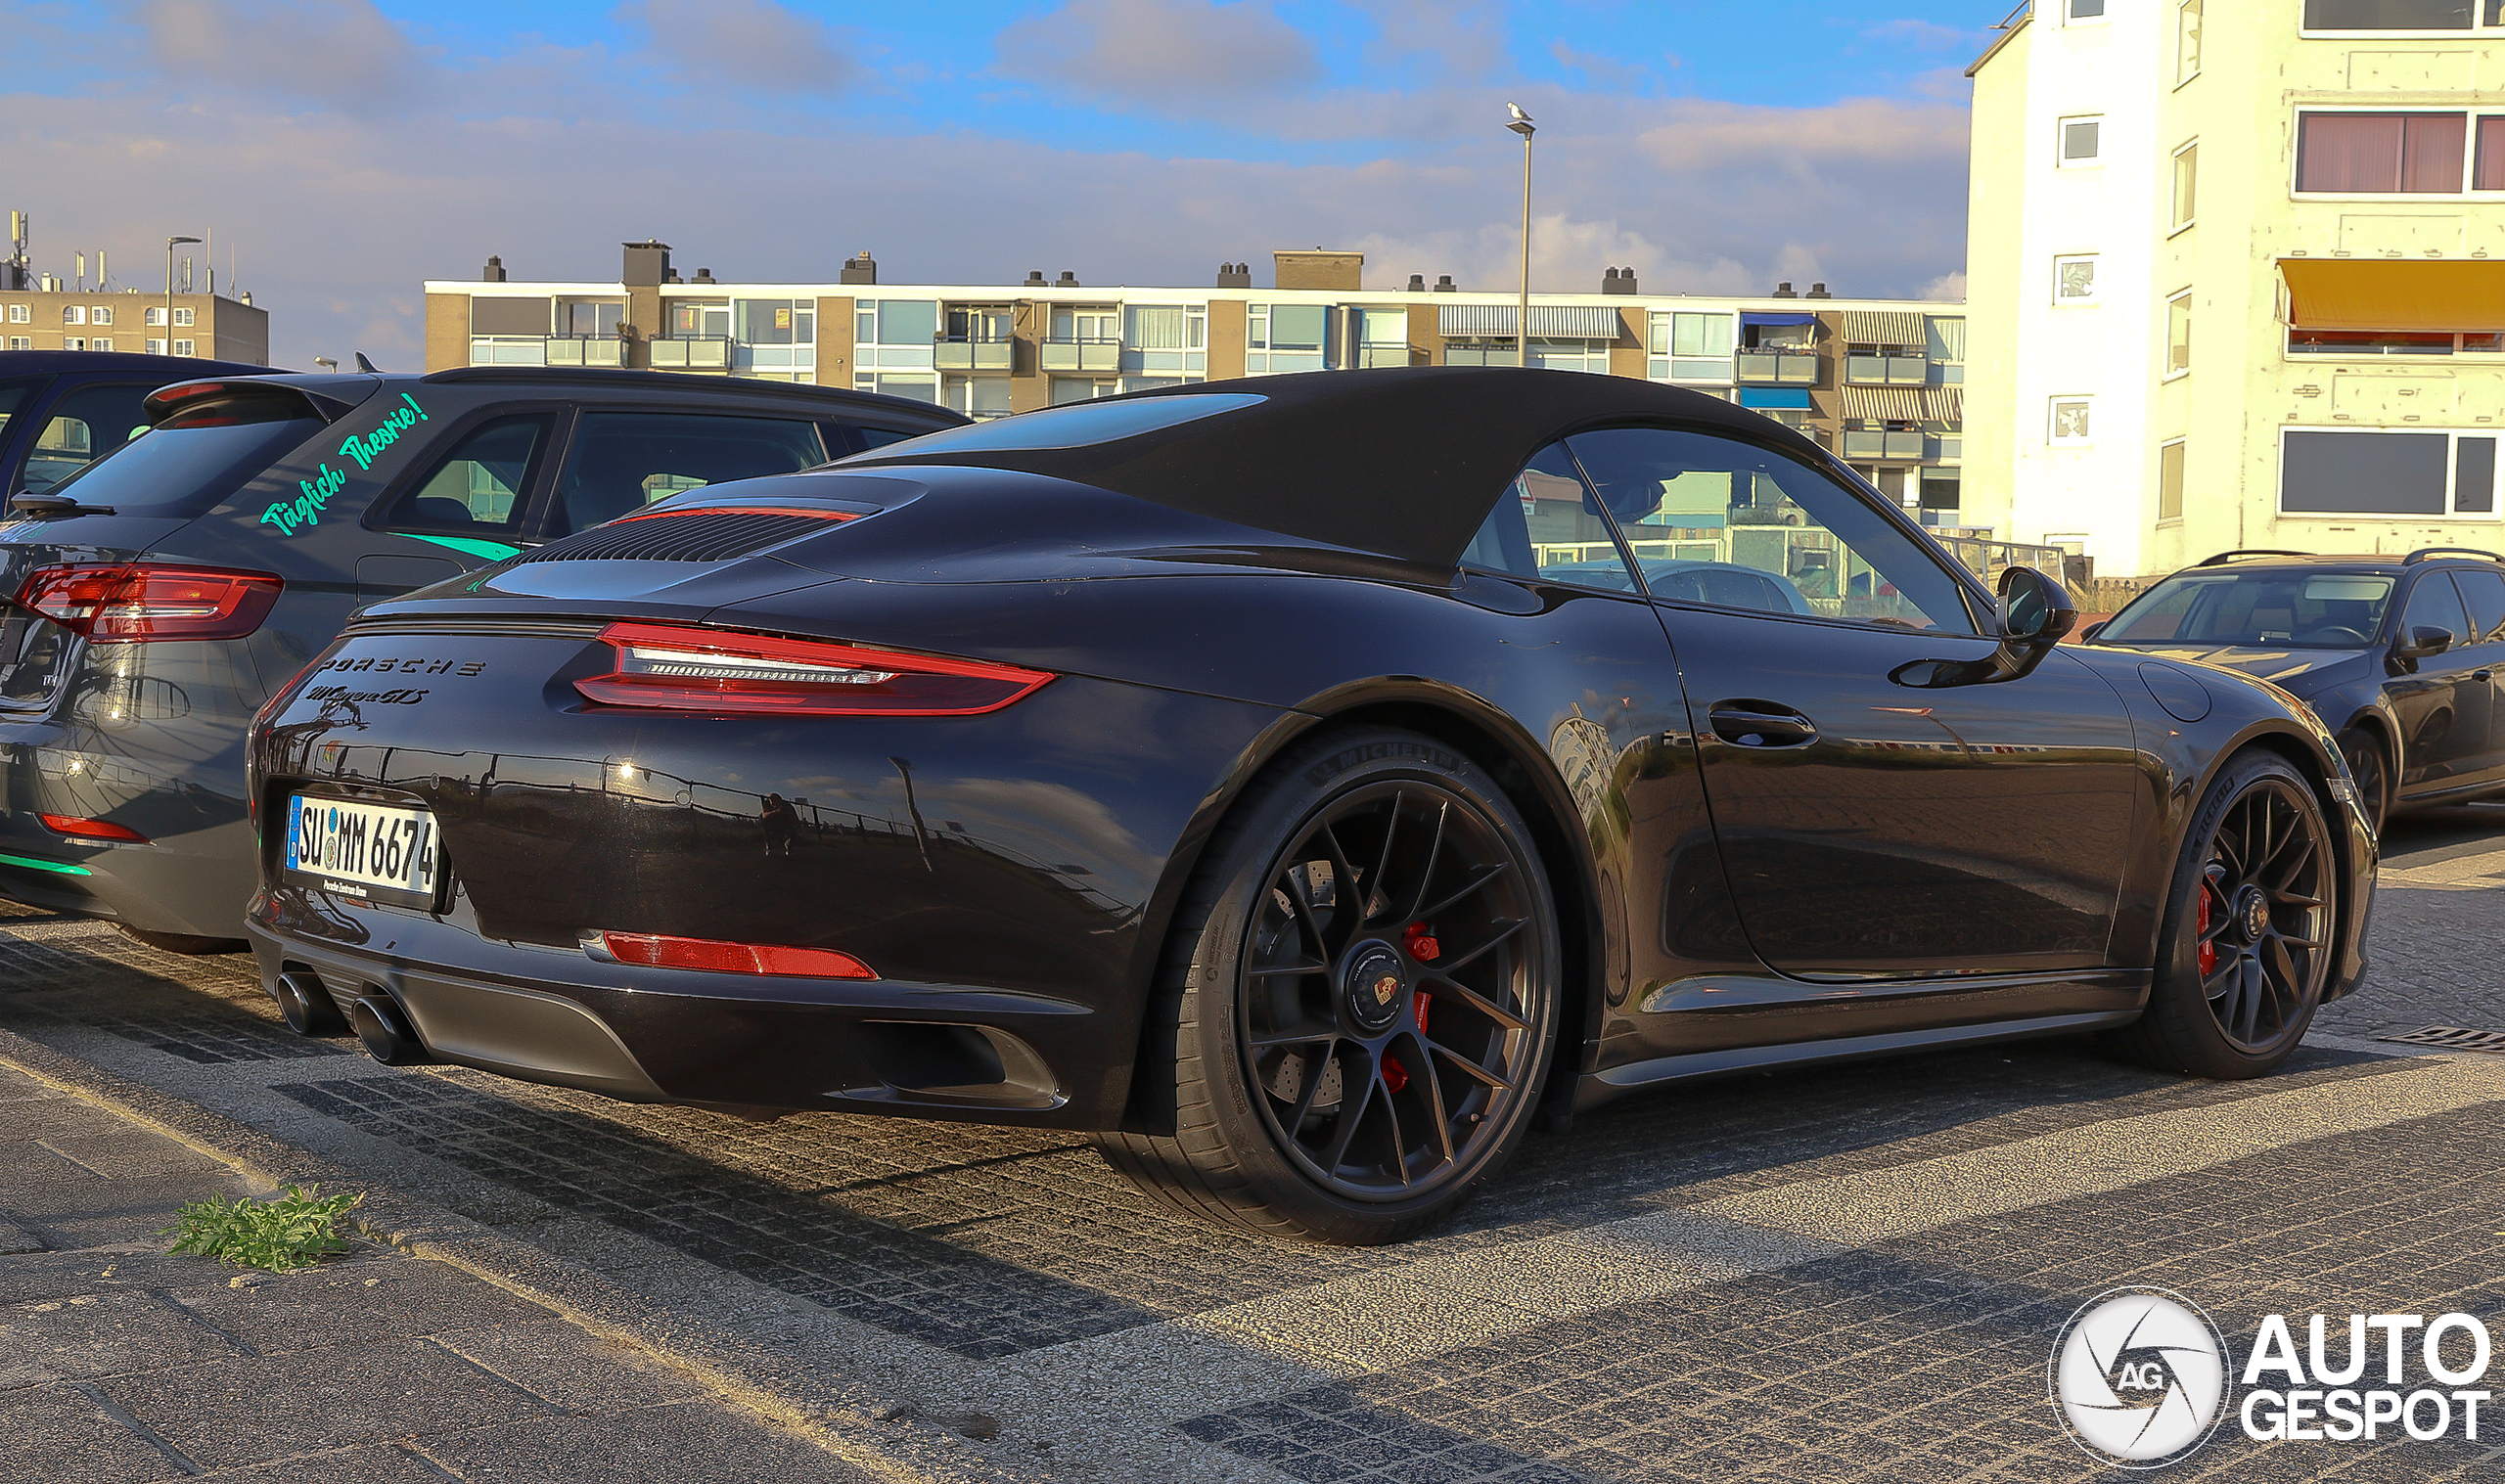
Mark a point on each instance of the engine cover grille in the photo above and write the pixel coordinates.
(703, 535)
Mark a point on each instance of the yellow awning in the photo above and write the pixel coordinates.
(2394, 293)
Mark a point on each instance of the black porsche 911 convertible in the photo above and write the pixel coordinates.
(1300, 785)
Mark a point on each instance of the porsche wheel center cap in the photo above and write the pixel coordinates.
(1373, 985)
(2253, 913)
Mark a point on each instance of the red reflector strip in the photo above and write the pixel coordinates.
(673, 668)
(133, 604)
(715, 957)
(91, 830)
(837, 515)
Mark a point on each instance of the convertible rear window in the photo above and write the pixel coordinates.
(2277, 609)
(1073, 426)
(194, 459)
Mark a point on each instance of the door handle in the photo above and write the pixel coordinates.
(1761, 724)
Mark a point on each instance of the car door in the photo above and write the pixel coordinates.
(1867, 828)
(619, 460)
(2444, 705)
(2483, 593)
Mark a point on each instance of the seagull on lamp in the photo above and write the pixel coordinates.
(1521, 121)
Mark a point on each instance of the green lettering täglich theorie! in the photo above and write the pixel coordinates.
(314, 493)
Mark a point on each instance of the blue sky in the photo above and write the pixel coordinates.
(346, 149)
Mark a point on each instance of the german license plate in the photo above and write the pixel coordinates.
(368, 852)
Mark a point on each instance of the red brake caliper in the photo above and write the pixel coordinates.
(1419, 940)
(2209, 950)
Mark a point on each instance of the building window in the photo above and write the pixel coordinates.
(2353, 471)
(2187, 180)
(776, 338)
(1068, 389)
(976, 396)
(101, 314)
(1691, 347)
(899, 334)
(2074, 279)
(2178, 334)
(1947, 349)
(154, 347)
(156, 314)
(2070, 422)
(73, 342)
(2082, 140)
(101, 343)
(2187, 41)
(22, 342)
(20, 314)
(2397, 15)
(1173, 338)
(2086, 9)
(924, 388)
(182, 347)
(1284, 338)
(2489, 175)
(182, 316)
(2169, 481)
(74, 314)
(2383, 154)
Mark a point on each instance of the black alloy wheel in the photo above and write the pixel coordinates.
(2363, 751)
(2247, 945)
(1383, 1014)
(1360, 999)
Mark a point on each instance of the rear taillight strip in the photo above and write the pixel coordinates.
(135, 603)
(673, 667)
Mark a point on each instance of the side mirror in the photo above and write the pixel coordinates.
(2036, 614)
(2422, 643)
(2094, 629)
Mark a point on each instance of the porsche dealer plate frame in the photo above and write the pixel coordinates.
(366, 852)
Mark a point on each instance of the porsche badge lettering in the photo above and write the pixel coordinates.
(388, 665)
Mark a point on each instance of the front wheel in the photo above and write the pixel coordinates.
(1361, 996)
(2247, 943)
(2371, 767)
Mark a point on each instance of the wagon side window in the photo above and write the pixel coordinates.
(1548, 528)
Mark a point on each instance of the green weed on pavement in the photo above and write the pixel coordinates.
(293, 1228)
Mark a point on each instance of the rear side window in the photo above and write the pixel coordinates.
(2435, 604)
(624, 460)
(194, 459)
(85, 424)
(1546, 525)
(481, 483)
(2485, 592)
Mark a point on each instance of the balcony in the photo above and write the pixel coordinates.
(972, 352)
(1895, 447)
(689, 353)
(1779, 368)
(1084, 353)
(585, 350)
(1373, 354)
(1888, 370)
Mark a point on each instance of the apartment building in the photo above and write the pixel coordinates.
(2237, 277)
(206, 325)
(1879, 382)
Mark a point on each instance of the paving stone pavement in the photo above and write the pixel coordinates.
(1852, 1273)
(120, 1363)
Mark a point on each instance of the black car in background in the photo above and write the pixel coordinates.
(2402, 657)
(61, 408)
(159, 596)
(1291, 783)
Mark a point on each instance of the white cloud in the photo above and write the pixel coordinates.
(343, 53)
(755, 44)
(1180, 54)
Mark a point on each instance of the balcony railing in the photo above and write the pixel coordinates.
(1888, 370)
(1904, 447)
(689, 353)
(972, 352)
(1371, 354)
(1781, 367)
(1085, 353)
(586, 350)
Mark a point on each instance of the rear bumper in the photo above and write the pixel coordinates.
(643, 1034)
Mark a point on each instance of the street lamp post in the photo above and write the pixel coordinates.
(170, 283)
(1522, 321)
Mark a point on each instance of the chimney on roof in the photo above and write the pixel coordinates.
(495, 272)
(1067, 280)
(1318, 269)
(647, 264)
(1783, 290)
(1417, 282)
(704, 276)
(860, 268)
(1819, 291)
(1234, 276)
(1445, 284)
(1035, 278)
(1617, 280)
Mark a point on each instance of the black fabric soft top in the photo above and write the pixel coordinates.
(1404, 462)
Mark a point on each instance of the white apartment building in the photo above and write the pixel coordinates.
(2236, 275)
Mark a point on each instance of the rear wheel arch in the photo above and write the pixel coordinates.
(1529, 780)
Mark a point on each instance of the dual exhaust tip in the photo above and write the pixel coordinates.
(382, 1027)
